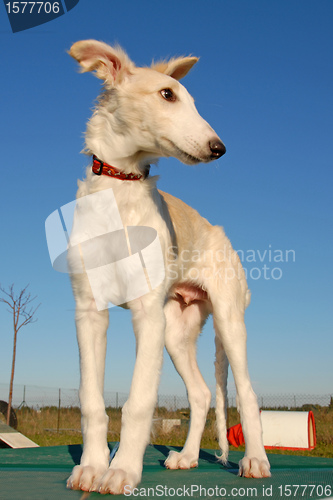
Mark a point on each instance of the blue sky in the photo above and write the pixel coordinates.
(264, 82)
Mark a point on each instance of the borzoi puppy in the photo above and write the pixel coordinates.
(141, 115)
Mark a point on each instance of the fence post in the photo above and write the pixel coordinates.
(58, 424)
(23, 403)
(116, 400)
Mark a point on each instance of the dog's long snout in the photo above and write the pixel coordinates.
(217, 149)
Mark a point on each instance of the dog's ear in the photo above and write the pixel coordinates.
(111, 64)
(176, 68)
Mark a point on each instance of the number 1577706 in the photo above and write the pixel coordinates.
(33, 7)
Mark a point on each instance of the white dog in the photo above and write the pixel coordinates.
(143, 114)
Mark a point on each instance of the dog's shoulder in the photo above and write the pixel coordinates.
(180, 210)
(187, 222)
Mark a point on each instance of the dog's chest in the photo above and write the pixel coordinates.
(139, 207)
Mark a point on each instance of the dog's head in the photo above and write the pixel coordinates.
(145, 111)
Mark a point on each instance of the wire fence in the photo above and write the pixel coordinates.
(40, 397)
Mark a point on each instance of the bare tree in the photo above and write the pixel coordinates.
(23, 314)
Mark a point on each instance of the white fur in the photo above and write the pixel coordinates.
(133, 125)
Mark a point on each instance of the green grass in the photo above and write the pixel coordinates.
(42, 427)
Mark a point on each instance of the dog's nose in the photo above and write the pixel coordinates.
(217, 149)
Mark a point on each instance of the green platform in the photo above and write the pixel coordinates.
(41, 473)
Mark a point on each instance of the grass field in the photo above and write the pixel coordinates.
(42, 427)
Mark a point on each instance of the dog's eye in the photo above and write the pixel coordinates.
(168, 95)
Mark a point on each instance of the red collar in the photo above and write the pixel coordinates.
(101, 168)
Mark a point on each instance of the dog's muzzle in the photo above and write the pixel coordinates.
(217, 149)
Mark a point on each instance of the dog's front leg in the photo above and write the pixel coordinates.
(91, 328)
(126, 468)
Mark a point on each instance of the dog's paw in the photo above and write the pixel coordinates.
(180, 460)
(253, 467)
(118, 481)
(85, 478)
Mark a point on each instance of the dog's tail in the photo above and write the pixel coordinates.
(221, 374)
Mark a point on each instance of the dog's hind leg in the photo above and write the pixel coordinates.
(184, 324)
(230, 328)
(221, 375)
(91, 326)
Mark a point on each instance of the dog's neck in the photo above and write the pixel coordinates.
(114, 148)
(101, 168)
